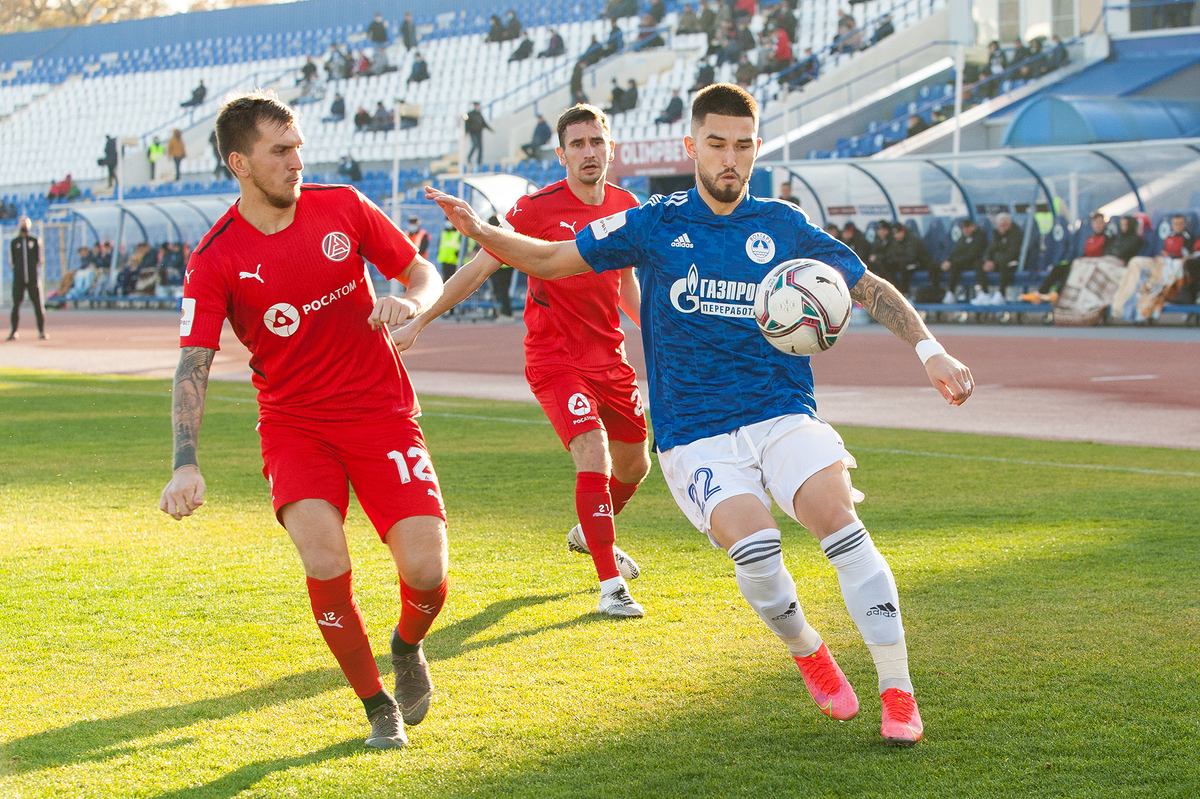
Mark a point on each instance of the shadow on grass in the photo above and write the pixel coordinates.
(251, 774)
(102, 739)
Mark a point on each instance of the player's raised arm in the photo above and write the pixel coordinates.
(889, 307)
(185, 492)
(462, 284)
(545, 259)
(422, 287)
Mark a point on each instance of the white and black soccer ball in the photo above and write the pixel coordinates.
(802, 306)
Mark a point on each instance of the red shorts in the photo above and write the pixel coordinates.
(384, 459)
(576, 402)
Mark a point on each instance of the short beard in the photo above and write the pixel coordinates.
(280, 201)
(590, 181)
(719, 193)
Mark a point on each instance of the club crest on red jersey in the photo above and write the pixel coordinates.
(282, 319)
(336, 246)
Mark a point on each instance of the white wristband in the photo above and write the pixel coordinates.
(927, 348)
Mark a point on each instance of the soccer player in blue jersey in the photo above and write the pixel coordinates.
(735, 420)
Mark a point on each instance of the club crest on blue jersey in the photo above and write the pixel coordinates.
(760, 248)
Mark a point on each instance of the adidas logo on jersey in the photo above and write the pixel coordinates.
(683, 241)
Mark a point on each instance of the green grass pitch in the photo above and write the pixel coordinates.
(1052, 615)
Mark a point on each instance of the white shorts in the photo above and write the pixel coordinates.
(772, 457)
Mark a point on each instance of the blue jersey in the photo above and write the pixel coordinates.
(710, 370)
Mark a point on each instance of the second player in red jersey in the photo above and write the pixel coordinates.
(287, 266)
(575, 350)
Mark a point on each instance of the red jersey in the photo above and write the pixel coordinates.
(299, 300)
(573, 321)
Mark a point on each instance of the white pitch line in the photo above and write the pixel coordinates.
(1115, 378)
(1093, 466)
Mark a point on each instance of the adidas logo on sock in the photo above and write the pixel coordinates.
(787, 614)
(683, 241)
(886, 609)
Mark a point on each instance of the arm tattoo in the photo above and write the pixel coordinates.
(187, 401)
(889, 307)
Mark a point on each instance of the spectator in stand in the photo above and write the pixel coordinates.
(475, 125)
(657, 10)
(731, 50)
(674, 110)
(64, 189)
(630, 99)
(110, 159)
(362, 118)
(176, 151)
(705, 76)
(308, 72)
(408, 31)
(592, 55)
(746, 73)
(1058, 56)
(419, 236)
(154, 154)
(1098, 243)
(806, 71)
(25, 253)
(383, 119)
(335, 64)
(556, 47)
(362, 64)
(1019, 53)
(616, 41)
(495, 30)
(743, 10)
(337, 109)
(512, 27)
(854, 238)
(688, 22)
(780, 57)
(997, 60)
(1128, 241)
(833, 230)
(883, 29)
(616, 99)
(616, 9)
(377, 32)
(541, 135)
(523, 50)
(420, 71)
(1003, 255)
(783, 18)
(577, 78)
(380, 65)
(350, 169)
(1180, 244)
(744, 38)
(849, 37)
(708, 20)
(905, 255)
(785, 194)
(198, 95)
(648, 36)
(1033, 66)
(965, 256)
(877, 259)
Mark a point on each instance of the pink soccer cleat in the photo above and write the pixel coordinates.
(901, 719)
(829, 687)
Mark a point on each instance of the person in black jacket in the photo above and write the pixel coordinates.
(408, 31)
(854, 238)
(377, 31)
(1127, 242)
(705, 76)
(523, 50)
(495, 30)
(966, 255)
(26, 252)
(1003, 255)
(512, 27)
(556, 47)
(906, 253)
(475, 124)
(875, 260)
(674, 110)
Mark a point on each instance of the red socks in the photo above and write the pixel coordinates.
(595, 507)
(345, 632)
(621, 493)
(418, 609)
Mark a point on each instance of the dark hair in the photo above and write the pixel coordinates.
(723, 99)
(1096, 214)
(883, 223)
(580, 112)
(240, 115)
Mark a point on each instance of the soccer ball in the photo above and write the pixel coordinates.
(802, 306)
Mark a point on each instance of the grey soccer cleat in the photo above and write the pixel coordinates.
(387, 730)
(414, 687)
(625, 564)
(620, 603)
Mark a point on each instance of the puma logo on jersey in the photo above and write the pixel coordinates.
(253, 275)
(570, 227)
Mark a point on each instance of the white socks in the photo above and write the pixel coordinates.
(765, 583)
(870, 594)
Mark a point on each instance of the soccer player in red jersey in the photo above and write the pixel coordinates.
(286, 266)
(575, 351)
